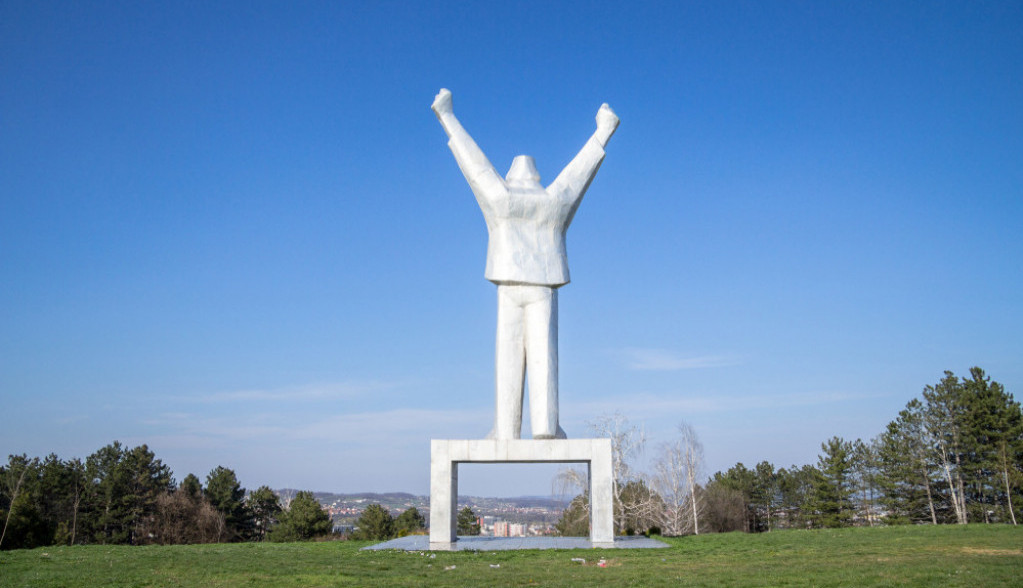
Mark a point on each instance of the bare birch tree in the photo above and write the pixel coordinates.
(1005, 467)
(918, 453)
(675, 479)
(14, 480)
(670, 481)
(943, 420)
(627, 442)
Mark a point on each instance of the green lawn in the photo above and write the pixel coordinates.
(977, 555)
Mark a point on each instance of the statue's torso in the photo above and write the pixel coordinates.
(527, 229)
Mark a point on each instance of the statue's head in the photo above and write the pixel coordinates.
(522, 173)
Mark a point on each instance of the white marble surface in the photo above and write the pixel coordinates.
(446, 454)
(527, 258)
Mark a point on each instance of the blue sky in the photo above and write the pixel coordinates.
(234, 231)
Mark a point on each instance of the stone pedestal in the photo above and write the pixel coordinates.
(446, 454)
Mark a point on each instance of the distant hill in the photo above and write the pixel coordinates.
(514, 509)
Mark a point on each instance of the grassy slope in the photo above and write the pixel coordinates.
(978, 555)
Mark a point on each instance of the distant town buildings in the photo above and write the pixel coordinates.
(499, 517)
(501, 528)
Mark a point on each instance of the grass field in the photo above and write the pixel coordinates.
(977, 555)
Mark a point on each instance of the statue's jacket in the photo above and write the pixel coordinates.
(527, 225)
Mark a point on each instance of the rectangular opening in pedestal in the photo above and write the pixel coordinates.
(519, 495)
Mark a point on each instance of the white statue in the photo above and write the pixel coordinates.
(526, 258)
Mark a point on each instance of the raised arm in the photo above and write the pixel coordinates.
(577, 175)
(475, 166)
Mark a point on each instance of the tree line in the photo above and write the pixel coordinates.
(128, 496)
(953, 455)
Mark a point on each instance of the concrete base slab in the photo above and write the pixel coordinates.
(422, 543)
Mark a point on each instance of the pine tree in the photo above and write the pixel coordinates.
(304, 520)
(575, 519)
(375, 523)
(796, 487)
(764, 495)
(866, 468)
(907, 469)
(832, 499)
(467, 522)
(994, 430)
(265, 507)
(409, 522)
(226, 495)
(191, 486)
(123, 491)
(741, 480)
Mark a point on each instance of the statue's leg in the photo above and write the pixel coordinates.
(509, 362)
(542, 362)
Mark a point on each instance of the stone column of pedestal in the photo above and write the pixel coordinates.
(601, 495)
(443, 496)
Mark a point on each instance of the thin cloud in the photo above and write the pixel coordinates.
(379, 428)
(399, 424)
(236, 427)
(308, 392)
(644, 359)
(69, 420)
(643, 406)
